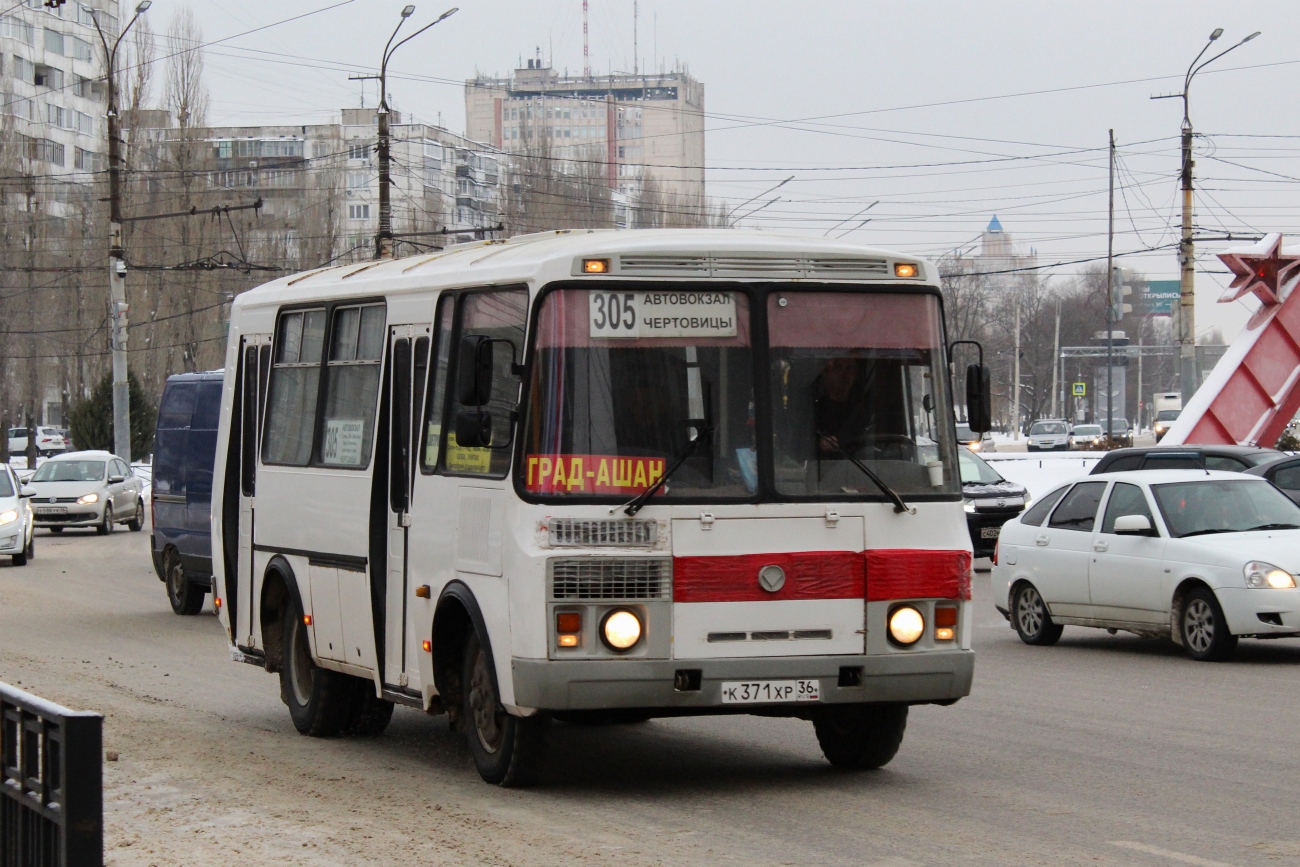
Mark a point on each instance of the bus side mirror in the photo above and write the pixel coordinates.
(979, 398)
(474, 371)
(474, 429)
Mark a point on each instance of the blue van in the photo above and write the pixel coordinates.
(184, 452)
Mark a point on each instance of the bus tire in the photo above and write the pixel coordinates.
(319, 700)
(185, 596)
(507, 749)
(860, 737)
(368, 715)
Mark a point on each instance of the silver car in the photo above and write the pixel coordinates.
(87, 489)
(1049, 435)
(16, 535)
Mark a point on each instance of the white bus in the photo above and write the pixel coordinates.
(598, 476)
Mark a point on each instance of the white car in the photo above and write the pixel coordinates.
(1048, 435)
(87, 489)
(16, 525)
(49, 441)
(1202, 557)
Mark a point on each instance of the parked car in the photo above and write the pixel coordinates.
(1086, 437)
(981, 442)
(49, 441)
(1120, 431)
(991, 501)
(1164, 420)
(1284, 473)
(1048, 435)
(1204, 557)
(1235, 459)
(87, 489)
(184, 452)
(16, 530)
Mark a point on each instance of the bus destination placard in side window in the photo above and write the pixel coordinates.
(662, 314)
(344, 438)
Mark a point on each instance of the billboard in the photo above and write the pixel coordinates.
(1160, 297)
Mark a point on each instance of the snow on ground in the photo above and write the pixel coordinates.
(1041, 473)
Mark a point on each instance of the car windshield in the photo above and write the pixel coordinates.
(1087, 430)
(6, 487)
(1224, 506)
(1167, 414)
(1118, 425)
(1047, 427)
(622, 382)
(70, 471)
(966, 435)
(976, 471)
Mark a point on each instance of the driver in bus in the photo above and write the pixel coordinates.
(840, 411)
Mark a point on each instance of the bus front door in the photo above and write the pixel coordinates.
(410, 363)
(255, 364)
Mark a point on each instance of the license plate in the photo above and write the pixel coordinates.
(769, 691)
(990, 532)
(52, 510)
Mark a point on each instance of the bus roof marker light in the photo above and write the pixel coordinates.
(905, 269)
(595, 266)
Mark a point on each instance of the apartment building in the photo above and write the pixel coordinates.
(630, 125)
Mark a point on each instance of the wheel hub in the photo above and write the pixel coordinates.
(1029, 612)
(1198, 626)
(301, 676)
(482, 703)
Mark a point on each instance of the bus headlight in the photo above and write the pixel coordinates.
(620, 630)
(906, 626)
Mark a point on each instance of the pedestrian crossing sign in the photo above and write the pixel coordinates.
(1080, 389)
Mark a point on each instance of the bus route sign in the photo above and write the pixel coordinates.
(662, 314)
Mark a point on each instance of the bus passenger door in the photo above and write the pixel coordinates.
(410, 359)
(255, 361)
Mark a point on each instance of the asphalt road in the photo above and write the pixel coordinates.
(1101, 750)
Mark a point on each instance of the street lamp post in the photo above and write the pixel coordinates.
(1187, 372)
(384, 237)
(116, 257)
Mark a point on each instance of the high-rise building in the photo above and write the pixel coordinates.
(630, 127)
(998, 256)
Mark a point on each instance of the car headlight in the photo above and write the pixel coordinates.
(8, 516)
(968, 505)
(975, 446)
(906, 626)
(1029, 498)
(1267, 576)
(620, 630)
(88, 499)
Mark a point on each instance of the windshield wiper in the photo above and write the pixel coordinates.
(1282, 526)
(899, 505)
(632, 506)
(1209, 531)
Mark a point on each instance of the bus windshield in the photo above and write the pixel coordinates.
(624, 382)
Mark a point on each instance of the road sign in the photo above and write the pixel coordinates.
(1161, 296)
(1080, 389)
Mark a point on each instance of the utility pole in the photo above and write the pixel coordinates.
(117, 306)
(1110, 296)
(1015, 381)
(384, 237)
(1189, 378)
(1056, 352)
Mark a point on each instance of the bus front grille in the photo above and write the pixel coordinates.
(579, 579)
(578, 533)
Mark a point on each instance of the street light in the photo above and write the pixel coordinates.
(384, 238)
(1188, 378)
(117, 257)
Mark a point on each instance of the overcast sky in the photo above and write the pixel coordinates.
(944, 112)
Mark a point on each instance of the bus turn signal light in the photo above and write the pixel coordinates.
(904, 269)
(568, 628)
(945, 623)
(427, 645)
(216, 600)
(595, 266)
(306, 620)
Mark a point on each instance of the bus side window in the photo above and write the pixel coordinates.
(497, 314)
(352, 386)
(434, 406)
(295, 385)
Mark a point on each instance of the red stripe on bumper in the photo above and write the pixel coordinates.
(906, 573)
(808, 575)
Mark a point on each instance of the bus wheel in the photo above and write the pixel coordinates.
(507, 749)
(185, 596)
(368, 715)
(319, 699)
(860, 737)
